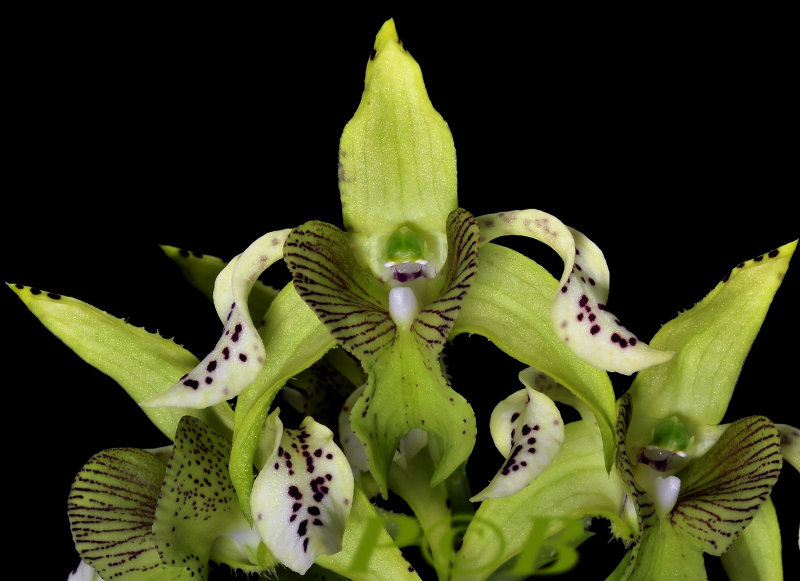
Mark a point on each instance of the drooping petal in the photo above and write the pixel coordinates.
(198, 506)
(722, 491)
(397, 162)
(756, 554)
(238, 356)
(143, 363)
(202, 270)
(578, 313)
(711, 341)
(303, 495)
(527, 429)
(111, 510)
(511, 292)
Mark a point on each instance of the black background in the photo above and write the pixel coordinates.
(667, 137)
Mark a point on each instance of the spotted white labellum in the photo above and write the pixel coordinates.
(578, 312)
(302, 497)
(527, 429)
(663, 490)
(239, 354)
(543, 383)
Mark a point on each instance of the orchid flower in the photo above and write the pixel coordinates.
(684, 485)
(411, 271)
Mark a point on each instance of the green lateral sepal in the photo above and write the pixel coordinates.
(143, 363)
(711, 341)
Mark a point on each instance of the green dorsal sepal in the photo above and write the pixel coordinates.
(397, 161)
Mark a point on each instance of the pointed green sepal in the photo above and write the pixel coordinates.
(397, 162)
(303, 495)
(143, 363)
(711, 341)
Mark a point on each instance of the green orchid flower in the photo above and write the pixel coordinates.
(684, 485)
(393, 288)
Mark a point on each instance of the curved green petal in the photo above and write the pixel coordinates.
(238, 356)
(756, 554)
(202, 270)
(143, 363)
(528, 430)
(198, 508)
(722, 491)
(711, 341)
(575, 485)
(111, 509)
(509, 303)
(397, 161)
(578, 313)
(303, 495)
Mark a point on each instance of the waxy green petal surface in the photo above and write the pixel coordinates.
(303, 496)
(143, 363)
(756, 553)
(710, 342)
(397, 162)
(578, 313)
(198, 504)
(509, 303)
(202, 270)
(111, 509)
(528, 430)
(238, 356)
